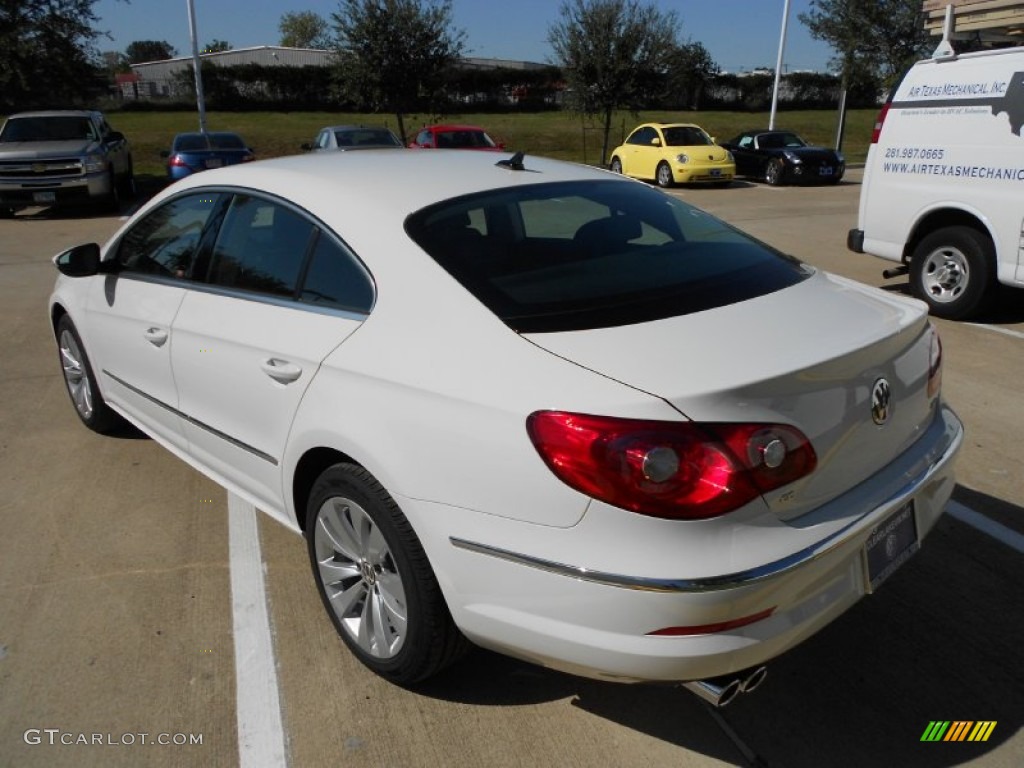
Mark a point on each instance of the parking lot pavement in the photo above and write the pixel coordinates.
(116, 604)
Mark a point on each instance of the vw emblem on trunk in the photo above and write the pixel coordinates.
(881, 399)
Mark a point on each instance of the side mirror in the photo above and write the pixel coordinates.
(501, 145)
(655, 142)
(80, 261)
(115, 136)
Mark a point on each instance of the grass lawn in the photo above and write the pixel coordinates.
(552, 134)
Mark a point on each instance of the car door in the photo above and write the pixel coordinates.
(641, 156)
(745, 155)
(250, 340)
(131, 310)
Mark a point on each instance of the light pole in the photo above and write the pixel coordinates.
(778, 65)
(200, 101)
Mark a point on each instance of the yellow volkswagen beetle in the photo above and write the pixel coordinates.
(673, 153)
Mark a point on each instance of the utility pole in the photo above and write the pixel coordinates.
(778, 65)
(200, 101)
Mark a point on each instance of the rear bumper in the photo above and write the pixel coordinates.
(597, 622)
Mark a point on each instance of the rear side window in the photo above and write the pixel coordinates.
(261, 247)
(335, 279)
(594, 254)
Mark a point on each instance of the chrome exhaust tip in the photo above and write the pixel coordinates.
(718, 692)
(754, 679)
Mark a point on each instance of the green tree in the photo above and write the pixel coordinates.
(304, 29)
(149, 50)
(878, 37)
(613, 52)
(47, 53)
(394, 53)
(690, 67)
(217, 46)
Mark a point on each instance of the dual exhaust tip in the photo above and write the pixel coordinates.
(719, 691)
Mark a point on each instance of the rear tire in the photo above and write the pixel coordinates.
(953, 271)
(112, 203)
(616, 165)
(375, 580)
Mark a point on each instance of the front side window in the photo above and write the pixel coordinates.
(642, 136)
(165, 242)
(592, 254)
(261, 247)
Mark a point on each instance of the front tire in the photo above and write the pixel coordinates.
(773, 172)
(664, 176)
(112, 203)
(80, 381)
(953, 270)
(375, 580)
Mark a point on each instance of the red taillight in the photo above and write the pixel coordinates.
(708, 629)
(176, 160)
(934, 362)
(677, 470)
(876, 132)
(248, 158)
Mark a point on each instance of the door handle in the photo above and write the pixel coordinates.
(156, 336)
(280, 370)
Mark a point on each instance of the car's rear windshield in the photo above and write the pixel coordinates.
(593, 254)
(196, 142)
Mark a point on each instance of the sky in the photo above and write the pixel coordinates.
(741, 35)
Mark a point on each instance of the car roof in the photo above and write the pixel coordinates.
(355, 128)
(348, 189)
(671, 125)
(208, 133)
(58, 113)
(452, 127)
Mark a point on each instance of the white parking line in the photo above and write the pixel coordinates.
(260, 732)
(997, 329)
(978, 521)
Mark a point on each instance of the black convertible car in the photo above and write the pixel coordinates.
(781, 157)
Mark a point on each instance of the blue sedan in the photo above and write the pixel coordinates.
(194, 152)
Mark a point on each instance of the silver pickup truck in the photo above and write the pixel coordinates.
(63, 157)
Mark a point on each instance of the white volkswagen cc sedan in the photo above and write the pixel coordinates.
(538, 406)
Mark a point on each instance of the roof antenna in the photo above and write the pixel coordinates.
(514, 163)
(945, 48)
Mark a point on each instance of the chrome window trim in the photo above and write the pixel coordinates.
(202, 425)
(323, 229)
(731, 580)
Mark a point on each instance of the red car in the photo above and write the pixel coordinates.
(455, 137)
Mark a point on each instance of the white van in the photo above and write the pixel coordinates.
(943, 190)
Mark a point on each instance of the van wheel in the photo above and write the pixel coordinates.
(952, 269)
(375, 580)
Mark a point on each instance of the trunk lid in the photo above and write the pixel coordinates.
(808, 356)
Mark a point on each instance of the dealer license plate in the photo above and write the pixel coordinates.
(890, 545)
(715, 172)
(44, 197)
(825, 170)
(214, 162)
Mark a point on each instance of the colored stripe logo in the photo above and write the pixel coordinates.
(958, 730)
